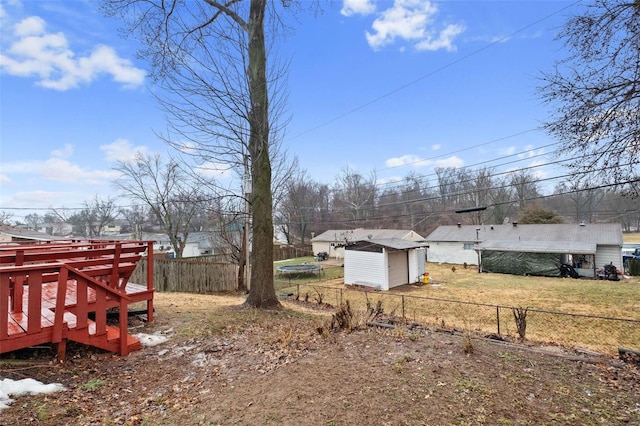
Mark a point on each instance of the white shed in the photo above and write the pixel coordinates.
(384, 263)
(333, 241)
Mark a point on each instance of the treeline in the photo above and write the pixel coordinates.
(421, 203)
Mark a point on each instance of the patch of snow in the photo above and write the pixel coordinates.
(10, 387)
(200, 360)
(149, 340)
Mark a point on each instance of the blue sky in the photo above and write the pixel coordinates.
(388, 86)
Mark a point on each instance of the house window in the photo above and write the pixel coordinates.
(469, 246)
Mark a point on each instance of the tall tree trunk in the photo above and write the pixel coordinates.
(262, 292)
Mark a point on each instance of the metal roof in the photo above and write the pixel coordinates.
(539, 246)
(396, 243)
(558, 237)
(367, 234)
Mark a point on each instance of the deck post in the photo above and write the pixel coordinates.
(150, 280)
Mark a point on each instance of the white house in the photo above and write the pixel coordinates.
(383, 263)
(333, 241)
(529, 248)
(198, 244)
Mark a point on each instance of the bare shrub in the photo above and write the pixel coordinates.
(520, 315)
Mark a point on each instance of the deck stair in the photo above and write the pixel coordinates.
(56, 293)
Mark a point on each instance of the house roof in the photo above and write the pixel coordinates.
(551, 238)
(366, 234)
(27, 234)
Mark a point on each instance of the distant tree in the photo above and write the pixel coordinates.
(580, 200)
(594, 92)
(536, 213)
(355, 197)
(525, 187)
(501, 200)
(55, 226)
(168, 192)
(5, 217)
(34, 221)
(298, 207)
(135, 216)
(102, 212)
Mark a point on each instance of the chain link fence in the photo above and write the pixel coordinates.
(580, 331)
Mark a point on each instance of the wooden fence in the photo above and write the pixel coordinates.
(189, 276)
(282, 252)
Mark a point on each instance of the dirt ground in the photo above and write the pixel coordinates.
(225, 365)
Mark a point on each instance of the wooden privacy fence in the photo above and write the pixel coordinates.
(189, 276)
(282, 252)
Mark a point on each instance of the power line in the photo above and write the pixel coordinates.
(433, 72)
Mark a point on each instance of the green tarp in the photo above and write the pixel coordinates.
(518, 263)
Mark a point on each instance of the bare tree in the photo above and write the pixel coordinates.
(355, 196)
(102, 212)
(5, 217)
(594, 93)
(166, 190)
(525, 187)
(34, 221)
(581, 199)
(210, 58)
(300, 204)
(135, 216)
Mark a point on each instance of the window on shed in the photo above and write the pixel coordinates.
(469, 246)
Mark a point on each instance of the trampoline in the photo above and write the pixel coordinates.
(299, 269)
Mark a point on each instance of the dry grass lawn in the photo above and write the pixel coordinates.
(444, 302)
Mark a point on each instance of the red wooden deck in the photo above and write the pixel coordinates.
(54, 292)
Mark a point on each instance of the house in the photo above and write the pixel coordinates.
(198, 244)
(10, 234)
(529, 249)
(333, 241)
(383, 263)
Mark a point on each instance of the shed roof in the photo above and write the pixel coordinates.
(558, 237)
(394, 243)
(366, 234)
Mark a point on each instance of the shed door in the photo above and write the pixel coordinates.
(398, 268)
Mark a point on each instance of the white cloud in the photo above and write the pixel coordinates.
(34, 53)
(507, 151)
(436, 147)
(122, 150)
(452, 161)
(413, 21)
(65, 152)
(213, 170)
(407, 160)
(357, 7)
(442, 40)
(4, 178)
(35, 199)
(416, 161)
(530, 152)
(60, 170)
